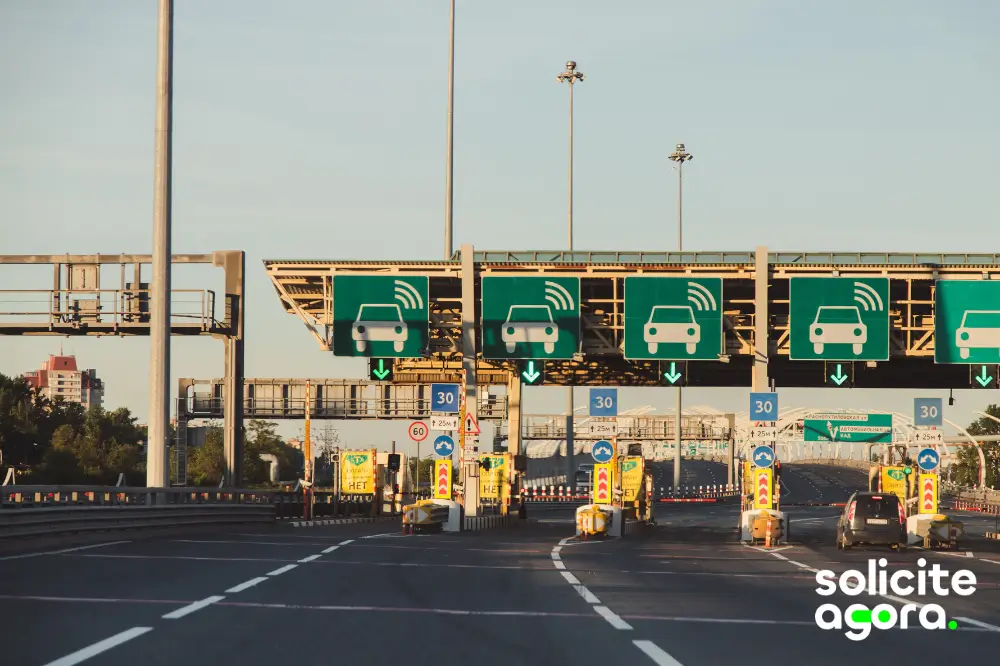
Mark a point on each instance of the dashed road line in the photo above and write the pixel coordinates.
(310, 558)
(99, 647)
(22, 556)
(246, 585)
(326, 551)
(653, 651)
(281, 570)
(191, 608)
(612, 618)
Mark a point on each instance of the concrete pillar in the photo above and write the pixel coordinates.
(762, 351)
(469, 469)
(234, 264)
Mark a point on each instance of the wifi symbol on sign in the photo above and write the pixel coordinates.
(867, 297)
(700, 296)
(558, 296)
(408, 296)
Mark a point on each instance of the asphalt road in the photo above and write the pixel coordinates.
(694, 473)
(686, 592)
(819, 483)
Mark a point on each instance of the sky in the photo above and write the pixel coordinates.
(317, 130)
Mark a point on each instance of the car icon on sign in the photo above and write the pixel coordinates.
(672, 324)
(379, 323)
(980, 329)
(530, 323)
(838, 324)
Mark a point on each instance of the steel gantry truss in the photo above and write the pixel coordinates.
(756, 312)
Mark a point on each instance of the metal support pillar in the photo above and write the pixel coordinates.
(469, 481)
(233, 379)
(731, 455)
(759, 380)
(514, 414)
(570, 443)
(180, 442)
(157, 467)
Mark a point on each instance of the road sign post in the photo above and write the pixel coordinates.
(380, 315)
(530, 317)
(418, 431)
(676, 318)
(604, 402)
(838, 319)
(763, 407)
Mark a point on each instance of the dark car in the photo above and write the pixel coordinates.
(872, 518)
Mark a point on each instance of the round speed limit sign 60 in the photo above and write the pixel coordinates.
(418, 431)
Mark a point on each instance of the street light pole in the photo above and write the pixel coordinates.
(572, 77)
(157, 470)
(449, 198)
(680, 156)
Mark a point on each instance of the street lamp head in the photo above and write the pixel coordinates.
(680, 147)
(571, 65)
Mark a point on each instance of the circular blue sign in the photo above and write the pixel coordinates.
(444, 446)
(928, 459)
(602, 451)
(762, 456)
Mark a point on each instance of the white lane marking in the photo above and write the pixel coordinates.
(559, 564)
(330, 549)
(977, 623)
(565, 542)
(246, 585)
(281, 570)
(182, 557)
(309, 559)
(556, 549)
(570, 578)
(556, 557)
(344, 543)
(247, 543)
(190, 608)
(612, 619)
(653, 651)
(62, 550)
(383, 536)
(587, 595)
(983, 559)
(99, 647)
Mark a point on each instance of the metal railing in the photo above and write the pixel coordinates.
(115, 307)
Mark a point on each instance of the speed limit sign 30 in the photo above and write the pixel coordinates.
(418, 431)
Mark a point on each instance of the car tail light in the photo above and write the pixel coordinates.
(850, 511)
(902, 515)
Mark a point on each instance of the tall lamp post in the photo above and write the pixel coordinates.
(571, 76)
(451, 131)
(680, 156)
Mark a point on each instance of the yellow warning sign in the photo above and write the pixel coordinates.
(631, 477)
(491, 480)
(357, 473)
(894, 481)
(762, 488)
(442, 479)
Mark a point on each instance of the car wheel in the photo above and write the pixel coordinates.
(845, 544)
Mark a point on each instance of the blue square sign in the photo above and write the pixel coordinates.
(604, 402)
(927, 412)
(444, 398)
(763, 406)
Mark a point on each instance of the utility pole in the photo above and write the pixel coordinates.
(680, 156)
(571, 76)
(157, 470)
(449, 198)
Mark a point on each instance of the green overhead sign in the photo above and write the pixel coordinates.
(380, 315)
(673, 318)
(839, 427)
(966, 321)
(838, 319)
(530, 317)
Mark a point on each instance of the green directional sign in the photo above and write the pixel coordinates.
(532, 372)
(380, 369)
(838, 319)
(839, 427)
(380, 315)
(966, 321)
(530, 317)
(673, 318)
(984, 375)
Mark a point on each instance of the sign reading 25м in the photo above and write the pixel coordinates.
(673, 318)
(535, 317)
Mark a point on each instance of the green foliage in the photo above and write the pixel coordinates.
(966, 471)
(207, 463)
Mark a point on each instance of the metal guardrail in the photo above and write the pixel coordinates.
(61, 520)
(285, 504)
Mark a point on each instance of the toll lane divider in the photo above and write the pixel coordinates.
(342, 521)
(479, 523)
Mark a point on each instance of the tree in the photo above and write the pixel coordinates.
(207, 463)
(966, 471)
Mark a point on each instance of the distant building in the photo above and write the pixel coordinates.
(60, 378)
